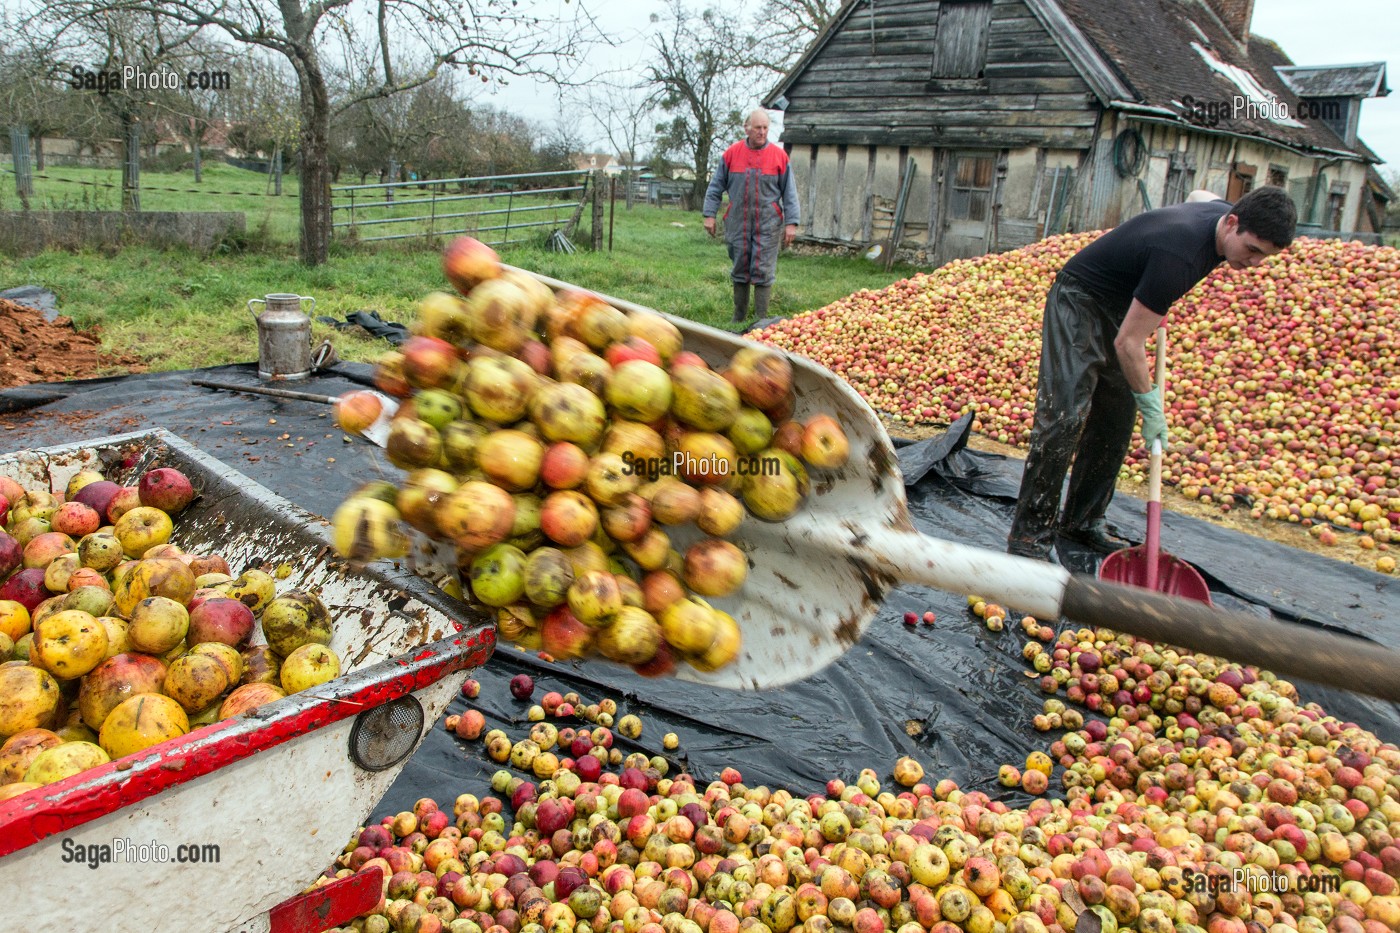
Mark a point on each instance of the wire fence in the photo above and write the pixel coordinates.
(94, 183)
(492, 208)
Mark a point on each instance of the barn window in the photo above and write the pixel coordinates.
(960, 40)
(1278, 176)
(972, 188)
(1241, 181)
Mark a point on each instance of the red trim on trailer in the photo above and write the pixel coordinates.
(331, 904)
(67, 804)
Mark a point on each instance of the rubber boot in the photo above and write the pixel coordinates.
(741, 301)
(761, 294)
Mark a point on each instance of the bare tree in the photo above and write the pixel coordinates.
(262, 120)
(111, 41)
(502, 143)
(494, 38)
(700, 62)
(561, 141)
(449, 154)
(785, 28)
(31, 93)
(625, 114)
(201, 103)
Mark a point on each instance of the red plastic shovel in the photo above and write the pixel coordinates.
(1147, 565)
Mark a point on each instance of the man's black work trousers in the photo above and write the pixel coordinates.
(1084, 413)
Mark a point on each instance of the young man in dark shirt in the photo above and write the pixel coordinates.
(1094, 377)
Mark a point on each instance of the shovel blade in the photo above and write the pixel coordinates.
(1174, 576)
(378, 432)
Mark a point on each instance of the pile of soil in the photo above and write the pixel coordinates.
(33, 349)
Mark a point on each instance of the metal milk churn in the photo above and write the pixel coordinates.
(284, 337)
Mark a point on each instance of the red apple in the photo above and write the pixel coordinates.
(167, 489)
(224, 620)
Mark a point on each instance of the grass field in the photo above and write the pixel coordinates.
(180, 310)
(223, 188)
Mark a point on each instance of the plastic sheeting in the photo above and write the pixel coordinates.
(954, 695)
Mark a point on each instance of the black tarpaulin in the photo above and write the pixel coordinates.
(953, 695)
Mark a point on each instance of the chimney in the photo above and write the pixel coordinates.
(1235, 15)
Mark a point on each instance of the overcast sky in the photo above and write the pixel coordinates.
(1310, 32)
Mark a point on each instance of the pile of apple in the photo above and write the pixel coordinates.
(556, 444)
(113, 639)
(1283, 389)
(1183, 771)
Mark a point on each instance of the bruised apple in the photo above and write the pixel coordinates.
(141, 721)
(715, 567)
(156, 576)
(249, 697)
(762, 376)
(68, 644)
(478, 515)
(467, 262)
(157, 625)
(22, 748)
(568, 518)
(29, 699)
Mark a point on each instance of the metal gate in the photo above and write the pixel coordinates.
(492, 208)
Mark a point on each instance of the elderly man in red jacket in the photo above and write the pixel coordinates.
(762, 215)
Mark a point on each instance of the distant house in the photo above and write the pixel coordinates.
(598, 161)
(983, 125)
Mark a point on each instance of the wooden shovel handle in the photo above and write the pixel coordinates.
(263, 390)
(1154, 476)
(1343, 661)
(1048, 591)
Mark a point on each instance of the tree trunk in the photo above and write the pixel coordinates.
(702, 181)
(314, 158)
(38, 153)
(198, 165)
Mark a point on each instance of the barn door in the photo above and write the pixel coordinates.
(967, 211)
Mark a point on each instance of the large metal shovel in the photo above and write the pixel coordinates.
(817, 579)
(1147, 565)
(377, 433)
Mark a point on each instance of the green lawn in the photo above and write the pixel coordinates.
(180, 310)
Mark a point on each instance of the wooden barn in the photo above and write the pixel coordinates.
(959, 127)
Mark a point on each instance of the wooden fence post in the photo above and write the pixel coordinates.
(131, 169)
(19, 148)
(598, 210)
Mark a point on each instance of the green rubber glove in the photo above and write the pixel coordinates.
(1154, 421)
